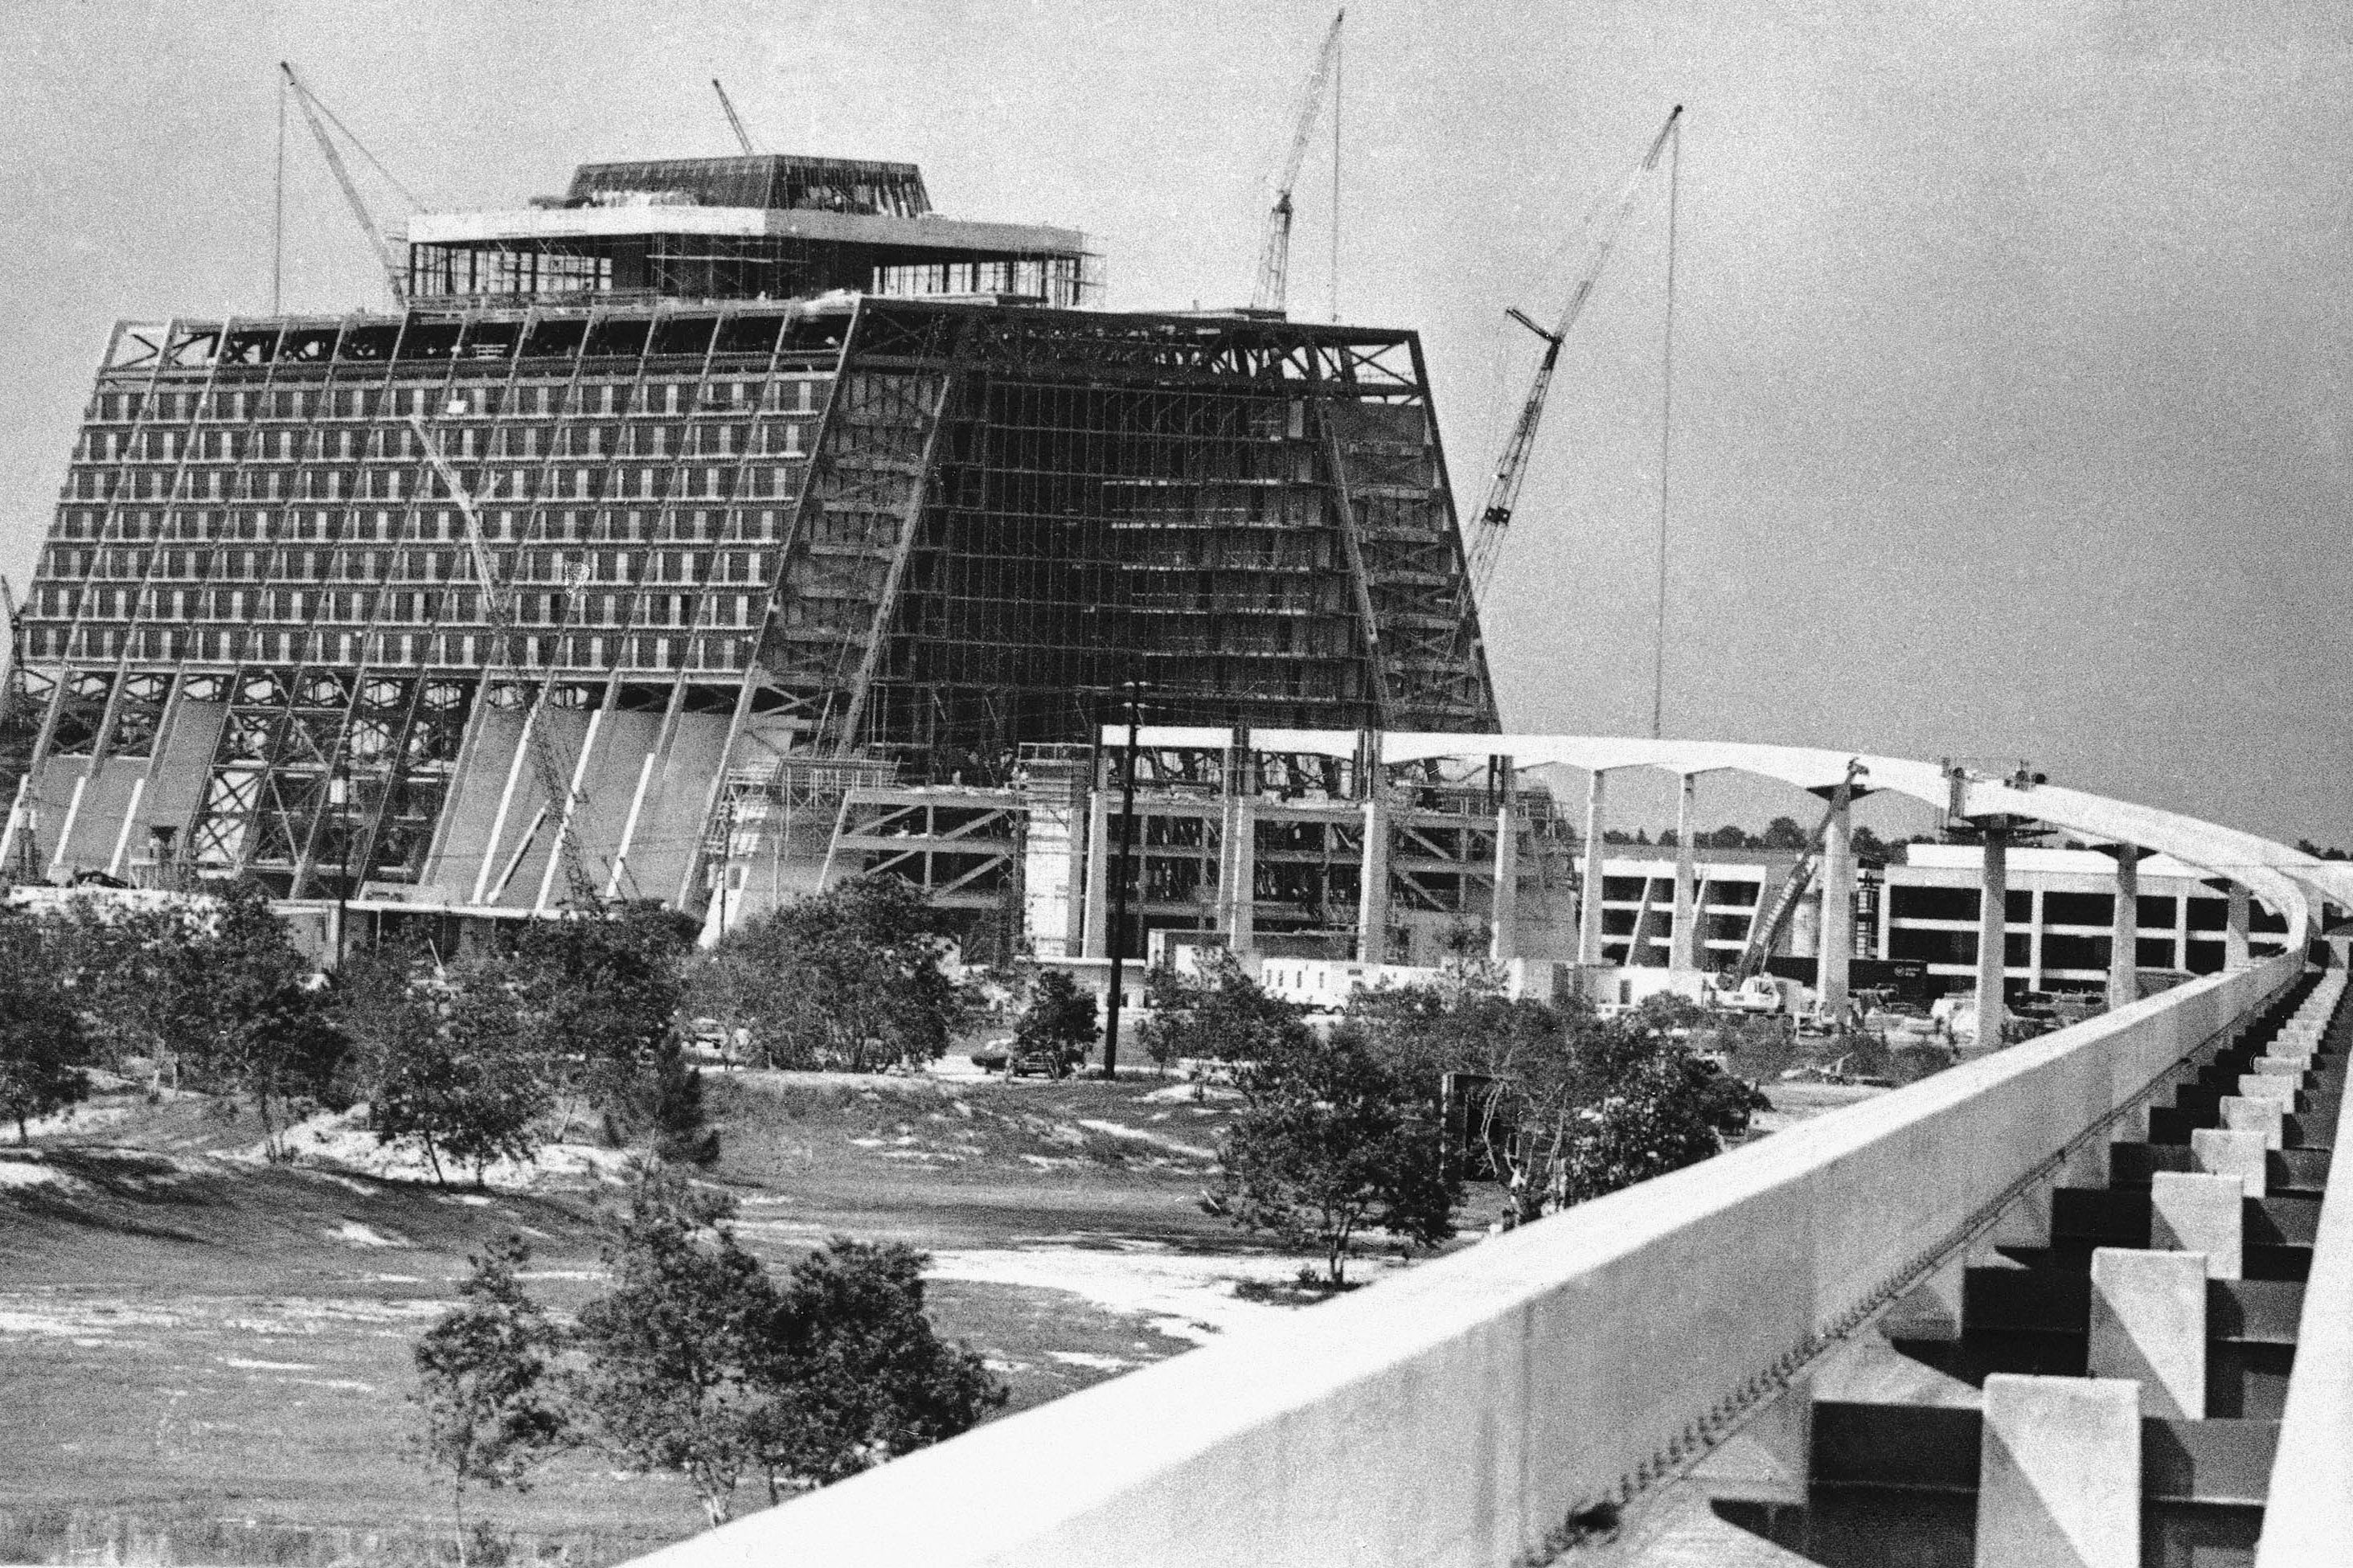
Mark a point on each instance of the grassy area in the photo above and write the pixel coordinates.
(218, 1350)
(213, 1352)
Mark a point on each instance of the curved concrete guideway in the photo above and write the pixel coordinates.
(1467, 1411)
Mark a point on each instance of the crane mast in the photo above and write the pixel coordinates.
(1512, 468)
(555, 783)
(735, 120)
(1274, 250)
(395, 275)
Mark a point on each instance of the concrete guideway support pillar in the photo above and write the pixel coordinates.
(2235, 954)
(2124, 931)
(1095, 939)
(2059, 1473)
(1993, 935)
(2148, 1326)
(1838, 907)
(1683, 955)
(1589, 909)
(1503, 937)
(2224, 1152)
(1373, 879)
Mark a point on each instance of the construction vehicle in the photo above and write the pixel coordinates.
(563, 800)
(1765, 932)
(735, 120)
(318, 115)
(1512, 468)
(1274, 249)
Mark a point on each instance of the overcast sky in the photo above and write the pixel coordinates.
(2010, 340)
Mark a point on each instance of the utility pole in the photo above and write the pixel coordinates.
(1119, 891)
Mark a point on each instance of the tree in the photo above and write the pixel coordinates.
(1784, 833)
(42, 1045)
(667, 1384)
(853, 979)
(1571, 1105)
(484, 1393)
(1220, 1014)
(853, 1371)
(1058, 1023)
(456, 1070)
(598, 997)
(1330, 1142)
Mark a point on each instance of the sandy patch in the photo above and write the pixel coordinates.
(1137, 1134)
(1185, 1295)
(342, 1140)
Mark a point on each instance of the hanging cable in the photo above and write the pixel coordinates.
(1666, 439)
(277, 215)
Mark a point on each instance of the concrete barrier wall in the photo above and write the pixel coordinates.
(1460, 1412)
(2308, 1517)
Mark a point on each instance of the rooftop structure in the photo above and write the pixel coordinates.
(763, 226)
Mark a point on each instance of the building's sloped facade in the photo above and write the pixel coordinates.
(897, 538)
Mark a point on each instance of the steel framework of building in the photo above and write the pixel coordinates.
(912, 536)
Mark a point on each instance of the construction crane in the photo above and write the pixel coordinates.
(318, 115)
(1503, 492)
(1274, 250)
(735, 120)
(555, 783)
(1765, 932)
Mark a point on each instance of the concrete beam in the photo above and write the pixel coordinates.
(1589, 918)
(2267, 1118)
(1993, 934)
(1373, 885)
(2124, 931)
(2148, 1326)
(1832, 968)
(2059, 1476)
(2225, 1151)
(1503, 919)
(1683, 954)
(2199, 1212)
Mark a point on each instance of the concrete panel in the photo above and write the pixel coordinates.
(2268, 1117)
(671, 823)
(2148, 1326)
(182, 774)
(2264, 1086)
(2199, 1213)
(98, 817)
(566, 729)
(609, 786)
(2059, 1476)
(473, 806)
(2225, 1151)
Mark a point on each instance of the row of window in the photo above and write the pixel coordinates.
(381, 443)
(2087, 955)
(363, 606)
(451, 650)
(64, 568)
(385, 525)
(651, 482)
(439, 398)
(2153, 911)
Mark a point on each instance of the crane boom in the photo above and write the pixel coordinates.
(555, 783)
(1512, 468)
(1274, 249)
(735, 120)
(396, 276)
(1762, 933)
